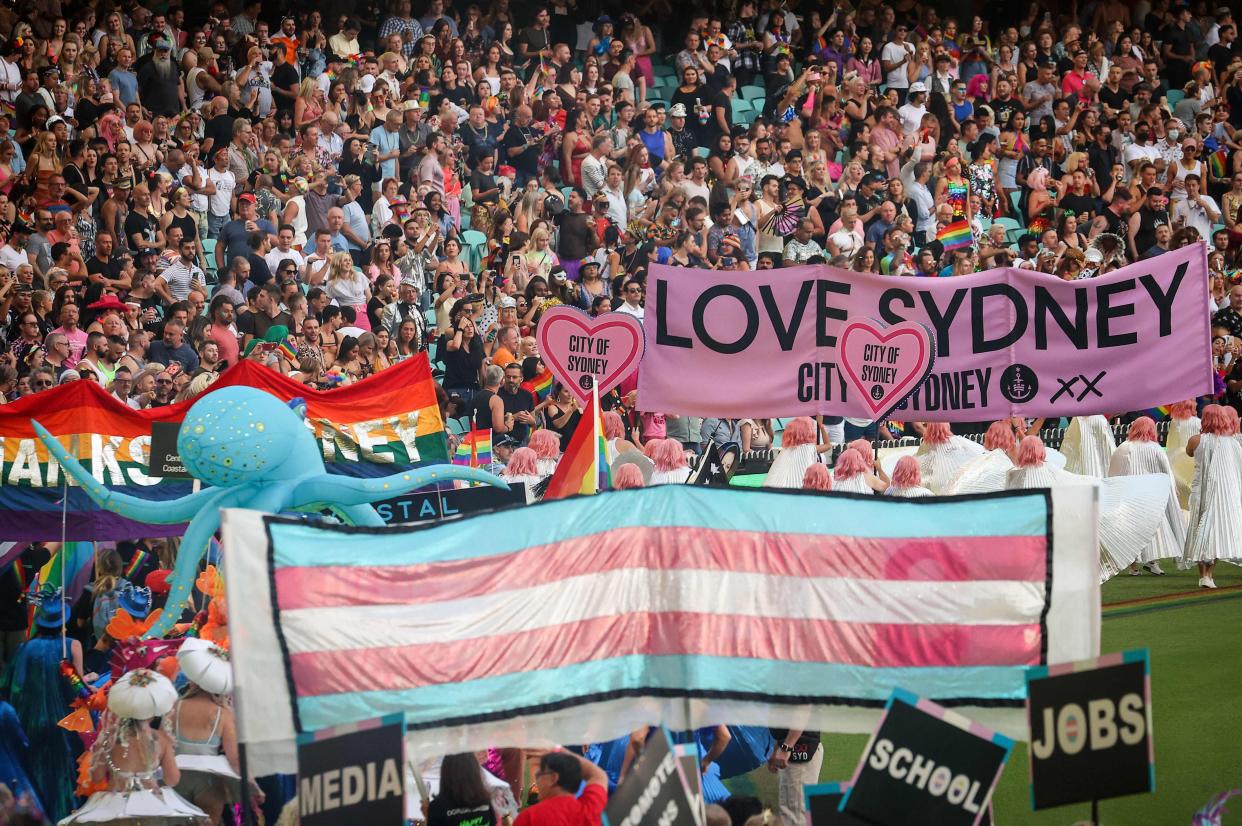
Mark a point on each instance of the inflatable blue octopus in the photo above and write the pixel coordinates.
(257, 453)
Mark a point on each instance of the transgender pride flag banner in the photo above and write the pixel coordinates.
(579, 620)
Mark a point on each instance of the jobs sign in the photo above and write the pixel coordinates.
(926, 764)
(1008, 342)
(354, 774)
(1090, 730)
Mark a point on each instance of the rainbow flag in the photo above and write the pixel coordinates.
(540, 385)
(583, 468)
(289, 349)
(1158, 413)
(381, 424)
(956, 235)
(1217, 163)
(475, 449)
(70, 566)
(135, 564)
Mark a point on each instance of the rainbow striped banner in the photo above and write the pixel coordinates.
(474, 449)
(759, 605)
(955, 235)
(584, 468)
(373, 427)
(540, 385)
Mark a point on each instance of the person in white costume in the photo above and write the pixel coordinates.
(1131, 507)
(941, 455)
(1183, 424)
(817, 477)
(671, 467)
(203, 729)
(798, 452)
(523, 467)
(1088, 446)
(627, 477)
(1215, 528)
(987, 472)
(131, 757)
(547, 446)
(850, 474)
(907, 480)
(1141, 453)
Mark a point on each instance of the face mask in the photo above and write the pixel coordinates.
(1173, 133)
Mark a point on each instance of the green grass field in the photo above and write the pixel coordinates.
(1196, 662)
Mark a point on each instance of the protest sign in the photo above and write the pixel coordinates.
(823, 805)
(165, 461)
(352, 774)
(1007, 341)
(581, 350)
(654, 791)
(390, 419)
(1090, 729)
(926, 764)
(644, 587)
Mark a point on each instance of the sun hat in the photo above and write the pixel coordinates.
(206, 665)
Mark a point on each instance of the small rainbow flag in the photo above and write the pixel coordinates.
(583, 468)
(1158, 413)
(475, 449)
(540, 385)
(1217, 163)
(135, 564)
(955, 235)
(70, 566)
(289, 349)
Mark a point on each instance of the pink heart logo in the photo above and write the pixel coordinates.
(885, 364)
(580, 350)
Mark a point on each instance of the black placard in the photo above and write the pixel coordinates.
(925, 764)
(428, 505)
(165, 461)
(654, 793)
(1090, 730)
(823, 804)
(358, 777)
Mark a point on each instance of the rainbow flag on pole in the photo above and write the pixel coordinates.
(584, 465)
(1217, 163)
(955, 235)
(475, 449)
(540, 385)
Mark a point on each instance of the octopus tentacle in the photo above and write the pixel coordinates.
(335, 491)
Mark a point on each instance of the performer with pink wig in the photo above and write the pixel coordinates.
(817, 477)
(850, 474)
(1215, 529)
(547, 446)
(800, 448)
(523, 467)
(941, 455)
(1141, 453)
(1088, 446)
(1183, 424)
(627, 477)
(671, 467)
(907, 479)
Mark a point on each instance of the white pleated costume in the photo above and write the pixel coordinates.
(854, 484)
(677, 476)
(1134, 457)
(1215, 528)
(790, 466)
(1088, 446)
(939, 463)
(1183, 463)
(914, 492)
(1131, 509)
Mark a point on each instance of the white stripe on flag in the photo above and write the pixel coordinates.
(625, 591)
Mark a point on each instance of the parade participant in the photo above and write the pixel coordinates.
(572, 791)
(817, 477)
(1183, 424)
(671, 467)
(203, 729)
(850, 474)
(1088, 446)
(1141, 453)
(941, 455)
(907, 479)
(1215, 524)
(547, 447)
(799, 450)
(627, 477)
(523, 468)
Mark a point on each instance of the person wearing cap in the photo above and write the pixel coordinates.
(914, 109)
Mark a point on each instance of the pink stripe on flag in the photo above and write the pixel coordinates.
(665, 634)
(921, 559)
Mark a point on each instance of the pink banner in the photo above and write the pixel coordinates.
(1007, 342)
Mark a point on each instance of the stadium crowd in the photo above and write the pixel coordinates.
(330, 191)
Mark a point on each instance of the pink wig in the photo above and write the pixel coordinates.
(1234, 425)
(907, 473)
(649, 448)
(668, 455)
(849, 464)
(1142, 429)
(1215, 420)
(614, 428)
(1181, 411)
(1031, 452)
(999, 437)
(628, 476)
(864, 450)
(523, 462)
(937, 433)
(546, 444)
(800, 431)
(817, 478)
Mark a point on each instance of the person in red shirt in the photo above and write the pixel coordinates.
(559, 776)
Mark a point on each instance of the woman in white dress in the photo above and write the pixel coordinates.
(138, 762)
(1215, 529)
(1088, 446)
(798, 452)
(547, 447)
(671, 467)
(941, 455)
(1141, 453)
(850, 474)
(817, 477)
(204, 731)
(1183, 424)
(907, 480)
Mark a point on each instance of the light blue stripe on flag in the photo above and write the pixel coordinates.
(1020, 513)
(763, 678)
